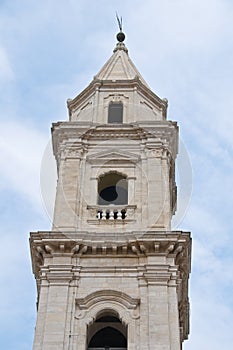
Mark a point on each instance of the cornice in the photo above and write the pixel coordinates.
(74, 137)
(47, 245)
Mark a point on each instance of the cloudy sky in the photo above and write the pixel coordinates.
(49, 51)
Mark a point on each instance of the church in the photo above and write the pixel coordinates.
(111, 274)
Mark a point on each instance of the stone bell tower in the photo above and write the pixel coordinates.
(111, 274)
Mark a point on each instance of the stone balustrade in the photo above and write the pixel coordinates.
(111, 212)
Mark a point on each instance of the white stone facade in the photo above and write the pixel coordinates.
(122, 259)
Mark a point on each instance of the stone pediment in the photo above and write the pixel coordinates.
(113, 155)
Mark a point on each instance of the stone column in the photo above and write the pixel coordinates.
(67, 193)
(157, 277)
(52, 308)
(158, 317)
(144, 311)
(173, 315)
(42, 309)
(131, 189)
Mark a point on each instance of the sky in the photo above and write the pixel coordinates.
(49, 51)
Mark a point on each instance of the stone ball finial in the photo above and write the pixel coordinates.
(120, 37)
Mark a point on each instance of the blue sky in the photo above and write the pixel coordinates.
(49, 51)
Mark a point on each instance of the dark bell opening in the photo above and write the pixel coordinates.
(109, 194)
(112, 189)
(113, 195)
(108, 337)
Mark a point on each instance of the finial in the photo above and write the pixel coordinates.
(120, 36)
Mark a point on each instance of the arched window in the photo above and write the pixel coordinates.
(112, 189)
(107, 332)
(115, 112)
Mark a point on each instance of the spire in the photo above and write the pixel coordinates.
(120, 66)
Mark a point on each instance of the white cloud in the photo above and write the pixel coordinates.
(188, 26)
(21, 150)
(211, 323)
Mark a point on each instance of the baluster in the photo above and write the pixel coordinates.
(118, 215)
(123, 214)
(104, 215)
(111, 215)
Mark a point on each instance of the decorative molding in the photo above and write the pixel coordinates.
(107, 299)
(115, 97)
(72, 139)
(112, 155)
(176, 244)
(107, 295)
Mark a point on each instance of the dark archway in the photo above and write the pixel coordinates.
(108, 337)
(107, 332)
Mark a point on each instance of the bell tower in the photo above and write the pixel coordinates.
(111, 274)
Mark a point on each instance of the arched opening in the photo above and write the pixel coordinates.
(112, 189)
(107, 332)
(108, 338)
(115, 112)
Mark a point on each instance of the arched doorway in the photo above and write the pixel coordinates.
(107, 333)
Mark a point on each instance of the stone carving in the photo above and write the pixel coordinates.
(111, 299)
